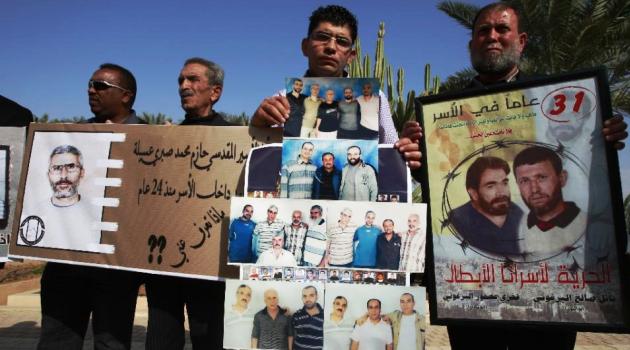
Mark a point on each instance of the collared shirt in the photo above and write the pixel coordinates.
(481, 233)
(296, 179)
(340, 248)
(308, 331)
(412, 252)
(388, 252)
(369, 111)
(294, 240)
(263, 234)
(132, 118)
(272, 334)
(269, 258)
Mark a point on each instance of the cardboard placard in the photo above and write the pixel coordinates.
(152, 198)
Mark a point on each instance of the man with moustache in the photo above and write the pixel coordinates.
(358, 179)
(296, 176)
(412, 246)
(276, 255)
(388, 247)
(553, 225)
(272, 327)
(295, 235)
(308, 322)
(327, 179)
(311, 106)
(489, 221)
(327, 122)
(239, 320)
(315, 242)
(200, 87)
(70, 294)
(369, 110)
(328, 47)
(349, 115)
(338, 328)
(240, 237)
(265, 231)
(293, 125)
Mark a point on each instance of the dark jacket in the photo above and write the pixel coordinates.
(317, 182)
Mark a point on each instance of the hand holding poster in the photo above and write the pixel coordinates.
(521, 193)
(149, 198)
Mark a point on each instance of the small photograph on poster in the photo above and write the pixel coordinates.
(333, 108)
(365, 317)
(63, 181)
(327, 234)
(273, 315)
(329, 169)
(4, 189)
(262, 179)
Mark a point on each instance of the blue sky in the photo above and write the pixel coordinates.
(50, 48)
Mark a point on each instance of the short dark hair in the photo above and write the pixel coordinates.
(214, 72)
(411, 295)
(337, 15)
(127, 80)
(318, 207)
(296, 79)
(537, 154)
(355, 146)
(368, 302)
(327, 154)
(63, 149)
(307, 287)
(481, 164)
(498, 6)
(307, 142)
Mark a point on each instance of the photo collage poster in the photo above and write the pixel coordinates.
(347, 315)
(521, 209)
(329, 205)
(11, 153)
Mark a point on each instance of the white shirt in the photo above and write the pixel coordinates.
(369, 112)
(238, 328)
(407, 336)
(337, 334)
(70, 227)
(372, 336)
(268, 258)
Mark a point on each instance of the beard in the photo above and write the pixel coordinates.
(552, 203)
(353, 161)
(69, 191)
(493, 63)
(496, 206)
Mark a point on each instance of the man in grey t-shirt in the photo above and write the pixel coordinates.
(349, 115)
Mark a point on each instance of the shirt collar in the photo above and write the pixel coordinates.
(561, 220)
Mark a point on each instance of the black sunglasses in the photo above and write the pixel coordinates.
(100, 85)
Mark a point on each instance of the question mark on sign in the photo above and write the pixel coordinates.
(153, 242)
(161, 242)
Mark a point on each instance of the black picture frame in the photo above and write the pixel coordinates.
(602, 96)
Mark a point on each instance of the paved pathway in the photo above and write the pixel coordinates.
(20, 326)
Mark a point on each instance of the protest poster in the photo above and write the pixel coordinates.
(333, 108)
(328, 234)
(11, 153)
(263, 171)
(525, 209)
(143, 198)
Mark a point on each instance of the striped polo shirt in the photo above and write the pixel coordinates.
(264, 232)
(296, 179)
(308, 331)
(341, 247)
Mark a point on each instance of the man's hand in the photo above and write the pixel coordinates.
(615, 131)
(409, 144)
(272, 111)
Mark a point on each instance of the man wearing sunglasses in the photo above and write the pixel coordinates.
(328, 46)
(200, 87)
(71, 293)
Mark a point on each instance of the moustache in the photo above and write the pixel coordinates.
(185, 93)
(64, 182)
